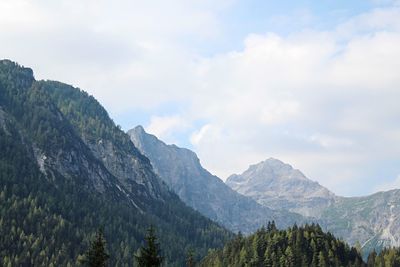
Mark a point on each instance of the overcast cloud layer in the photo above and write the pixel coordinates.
(324, 99)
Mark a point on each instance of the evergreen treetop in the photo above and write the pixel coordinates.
(97, 256)
(149, 255)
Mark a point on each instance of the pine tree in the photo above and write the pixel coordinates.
(321, 260)
(371, 259)
(149, 255)
(290, 260)
(268, 258)
(190, 261)
(97, 256)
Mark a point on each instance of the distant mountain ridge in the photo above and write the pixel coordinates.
(180, 168)
(278, 187)
(373, 220)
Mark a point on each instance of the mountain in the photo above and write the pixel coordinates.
(296, 246)
(373, 221)
(66, 169)
(277, 185)
(181, 170)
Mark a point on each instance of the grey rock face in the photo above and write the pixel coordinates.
(102, 152)
(177, 166)
(125, 166)
(373, 220)
(182, 172)
(277, 185)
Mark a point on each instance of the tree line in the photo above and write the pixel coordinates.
(148, 255)
(293, 247)
(306, 246)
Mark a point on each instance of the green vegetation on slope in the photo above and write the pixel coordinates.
(388, 257)
(49, 213)
(296, 246)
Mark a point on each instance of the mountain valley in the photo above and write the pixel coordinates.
(67, 170)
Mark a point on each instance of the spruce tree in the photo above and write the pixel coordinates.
(190, 261)
(149, 255)
(97, 256)
(321, 259)
(371, 259)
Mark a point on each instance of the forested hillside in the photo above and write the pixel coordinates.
(388, 257)
(66, 169)
(296, 246)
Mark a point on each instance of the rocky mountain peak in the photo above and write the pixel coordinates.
(269, 172)
(278, 185)
(139, 128)
(276, 169)
(152, 147)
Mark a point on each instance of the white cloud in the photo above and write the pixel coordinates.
(385, 19)
(329, 141)
(164, 126)
(128, 53)
(198, 136)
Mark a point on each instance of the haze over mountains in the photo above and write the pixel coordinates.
(277, 186)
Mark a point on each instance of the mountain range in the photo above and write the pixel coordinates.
(66, 170)
(181, 170)
(371, 221)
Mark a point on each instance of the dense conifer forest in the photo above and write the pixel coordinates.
(296, 246)
(388, 257)
(301, 246)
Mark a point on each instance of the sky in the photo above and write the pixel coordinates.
(315, 84)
